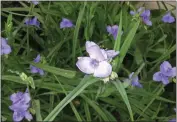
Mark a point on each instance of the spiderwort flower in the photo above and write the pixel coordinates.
(113, 30)
(168, 18)
(135, 80)
(5, 48)
(166, 72)
(35, 69)
(66, 23)
(32, 21)
(145, 15)
(97, 64)
(20, 106)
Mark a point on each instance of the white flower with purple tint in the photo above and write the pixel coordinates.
(166, 72)
(113, 30)
(168, 18)
(5, 48)
(97, 64)
(32, 21)
(20, 106)
(145, 15)
(66, 23)
(135, 80)
(35, 69)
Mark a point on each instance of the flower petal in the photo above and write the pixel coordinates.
(88, 44)
(103, 70)
(108, 28)
(95, 52)
(157, 76)
(26, 97)
(28, 116)
(166, 68)
(6, 49)
(41, 72)
(104, 53)
(165, 80)
(148, 22)
(173, 71)
(37, 59)
(17, 116)
(84, 64)
(132, 13)
(33, 69)
(3, 41)
(111, 53)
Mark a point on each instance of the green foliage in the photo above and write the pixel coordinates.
(64, 93)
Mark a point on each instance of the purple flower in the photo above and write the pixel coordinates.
(97, 64)
(66, 23)
(172, 120)
(145, 15)
(113, 30)
(35, 2)
(20, 106)
(168, 18)
(32, 21)
(35, 69)
(135, 80)
(5, 48)
(166, 71)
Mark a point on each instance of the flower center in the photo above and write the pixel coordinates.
(94, 63)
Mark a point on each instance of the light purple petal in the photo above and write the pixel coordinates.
(112, 53)
(3, 41)
(172, 120)
(130, 75)
(37, 59)
(19, 106)
(168, 18)
(95, 53)
(41, 72)
(132, 12)
(173, 72)
(28, 116)
(6, 49)
(88, 44)
(85, 65)
(103, 70)
(18, 116)
(26, 97)
(108, 28)
(146, 13)
(165, 80)
(35, 2)
(16, 96)
(136, 83)
(166, 69)
(157, 76)
(66, 23)
(147, 22)
(33, 69)
(104, 53)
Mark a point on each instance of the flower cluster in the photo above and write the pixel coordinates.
(5, 48)
(35, 69)
(97, 64)
(20, 106)
(166, 72)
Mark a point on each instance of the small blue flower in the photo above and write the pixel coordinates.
(135, 80)
(35, 69)
(20, 106)
(166, 72)
(5, 48)
(168, 18)
(32, 21)
(66, 23)
(97, 64)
